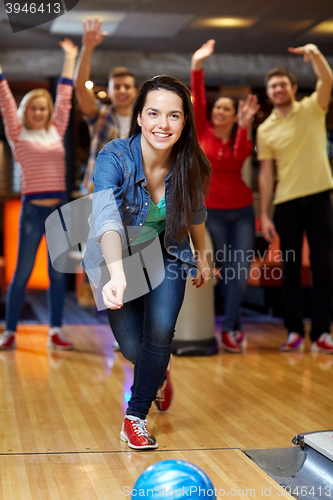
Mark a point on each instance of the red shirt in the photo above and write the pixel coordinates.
(228, 190)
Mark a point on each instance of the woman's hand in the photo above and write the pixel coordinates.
(91, 33)
(247, 110)
(203, 273)
(203, 53)
(69, 48)
(113, 291)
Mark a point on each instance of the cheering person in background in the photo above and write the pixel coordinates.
(230, 218)
(35, 132)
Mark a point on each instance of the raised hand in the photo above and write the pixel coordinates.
(306, 51)
(247, 110)
(203, 53)
(92, 35)
(69, 48)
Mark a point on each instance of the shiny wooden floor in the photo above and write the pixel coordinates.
(61, 413)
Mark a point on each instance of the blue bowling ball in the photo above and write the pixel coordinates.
(175, 479)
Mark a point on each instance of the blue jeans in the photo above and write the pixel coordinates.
(233, 235)
(31, 230)
(144, 329)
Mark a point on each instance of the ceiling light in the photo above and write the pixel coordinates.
(89, 84)
(101, 94)
(223, 22)
(326, 27)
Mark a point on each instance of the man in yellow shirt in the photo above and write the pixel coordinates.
(294, 136)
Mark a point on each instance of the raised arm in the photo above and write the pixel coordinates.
(247, 110)
(201, 54)
(198, 84)
(266, 185)
(245, 114)
(321, 68)
(92, 37)
(63, 102)
(8, 109)
(70, 53)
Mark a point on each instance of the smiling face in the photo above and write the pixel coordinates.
(37, 113)
(280, 90)
(122, 91)
(224, 113)
(161, 120)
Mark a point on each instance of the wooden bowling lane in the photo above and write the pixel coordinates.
(111, 476)
(74, 402)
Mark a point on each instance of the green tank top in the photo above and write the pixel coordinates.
(155, 221)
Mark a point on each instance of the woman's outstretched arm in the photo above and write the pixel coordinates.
(9, 110)
(70, 53)
(198, 85)
(63, 102)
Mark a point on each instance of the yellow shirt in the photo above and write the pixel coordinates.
(298, 144)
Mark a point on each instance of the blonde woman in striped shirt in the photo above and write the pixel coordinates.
(35, 132)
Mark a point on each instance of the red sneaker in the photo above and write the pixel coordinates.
(293, 343)
(323, 344)
(57, 340)
(7, 340)
(136, 434)
(164, 396)
(230, 342)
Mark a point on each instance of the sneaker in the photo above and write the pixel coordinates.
(294, 342)
(7, 340)
(323, 344)
(136, 434)
(164, 395)
(241, 339)
(57, 340)
(230, 342)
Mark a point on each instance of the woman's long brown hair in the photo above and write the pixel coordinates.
(191, 170)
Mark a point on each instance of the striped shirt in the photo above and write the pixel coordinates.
(40, 153)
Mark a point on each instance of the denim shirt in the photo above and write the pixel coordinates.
(121, 200)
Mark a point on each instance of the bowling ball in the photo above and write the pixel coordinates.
(173, 479)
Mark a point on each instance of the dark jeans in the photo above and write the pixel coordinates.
(233, 234)
(312, 214)
(144, 329)
(32, 228)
